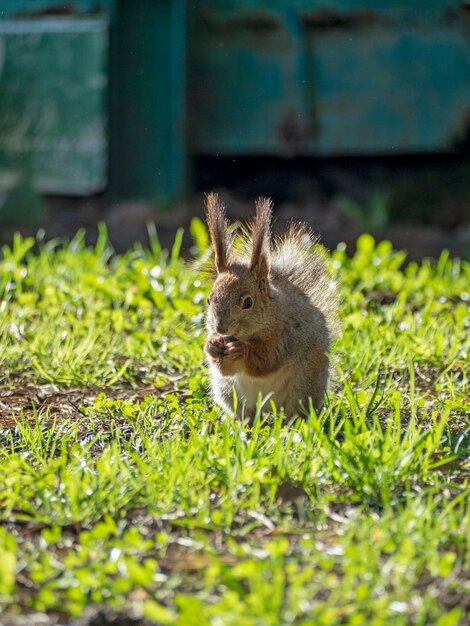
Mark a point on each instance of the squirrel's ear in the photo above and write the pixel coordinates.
(218, 232)
(261, 235)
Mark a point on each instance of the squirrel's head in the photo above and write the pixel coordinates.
(240, 297)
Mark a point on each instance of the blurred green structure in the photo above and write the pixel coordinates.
(92, 96)
(119, 95)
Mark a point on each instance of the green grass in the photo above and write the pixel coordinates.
(121, 483)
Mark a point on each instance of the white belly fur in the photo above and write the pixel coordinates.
(274, 386)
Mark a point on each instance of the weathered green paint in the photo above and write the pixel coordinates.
(55, 101)
(39, 8)
(53, 80)
(323, 78)
(280, 77)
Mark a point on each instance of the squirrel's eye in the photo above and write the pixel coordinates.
(247, 303)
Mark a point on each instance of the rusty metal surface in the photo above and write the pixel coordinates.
(304, 77)
(278, 77)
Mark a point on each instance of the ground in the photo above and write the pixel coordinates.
(129, 498)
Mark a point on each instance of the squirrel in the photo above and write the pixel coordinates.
(271, 315)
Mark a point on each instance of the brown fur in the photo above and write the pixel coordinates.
(277, 346)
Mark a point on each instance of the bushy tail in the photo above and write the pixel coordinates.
(299, 258)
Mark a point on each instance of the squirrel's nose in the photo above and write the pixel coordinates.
(222, 327)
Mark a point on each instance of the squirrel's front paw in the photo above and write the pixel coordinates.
(235, 350)
(215, 347)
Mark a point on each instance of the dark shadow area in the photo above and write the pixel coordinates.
(419, 202)
(427, 189)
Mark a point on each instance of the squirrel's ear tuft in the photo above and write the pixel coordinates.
(261, 235)
(218, 231)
